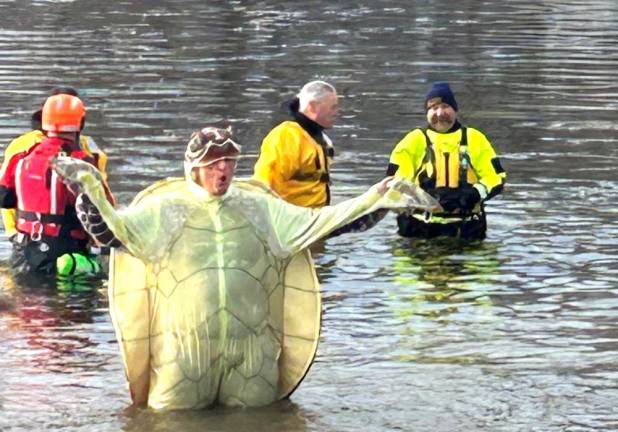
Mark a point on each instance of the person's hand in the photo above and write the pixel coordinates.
(463, 198)
(448, 198)
(469, 197)
(75, 173)
(383, 185)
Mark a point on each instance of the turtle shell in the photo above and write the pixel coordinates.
(249, 342)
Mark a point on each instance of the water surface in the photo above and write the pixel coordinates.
(517, 333)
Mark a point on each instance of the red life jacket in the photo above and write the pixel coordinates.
(42, 198)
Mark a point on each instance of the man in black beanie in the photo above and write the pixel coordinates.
(455, 164)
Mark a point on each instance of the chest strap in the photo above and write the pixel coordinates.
(37, 225)
(43, 218)
(322, 177)
(464, 159)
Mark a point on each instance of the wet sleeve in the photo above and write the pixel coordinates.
(487, 166)
(8, 195)
(278, 158)
(298, 227)
(9, 218)
(405, 156)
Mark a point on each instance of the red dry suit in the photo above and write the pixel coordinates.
(46, 220)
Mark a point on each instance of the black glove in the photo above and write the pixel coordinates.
(463, 198)
(469, 197)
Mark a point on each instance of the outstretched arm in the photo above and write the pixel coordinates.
(299, 227)
(130, 228)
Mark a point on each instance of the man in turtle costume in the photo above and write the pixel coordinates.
(213, 293)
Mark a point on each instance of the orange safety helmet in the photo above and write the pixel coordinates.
(63, 113)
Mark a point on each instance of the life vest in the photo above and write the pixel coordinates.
(319, 171)
(442, 169)
(44, 203)
(24, 143)
(447, 160)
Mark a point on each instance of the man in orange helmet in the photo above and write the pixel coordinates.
(47, 225)
(29, 139)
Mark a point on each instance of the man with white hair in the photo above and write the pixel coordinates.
(296, 155)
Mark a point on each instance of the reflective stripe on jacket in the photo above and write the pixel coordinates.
(294, 165)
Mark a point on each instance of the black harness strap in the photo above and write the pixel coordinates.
(464, 158)
(43, 218)
(430, 156)
(323, 177)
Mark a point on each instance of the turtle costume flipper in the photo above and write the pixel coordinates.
(216, 300)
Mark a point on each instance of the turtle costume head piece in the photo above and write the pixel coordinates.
(207, 146)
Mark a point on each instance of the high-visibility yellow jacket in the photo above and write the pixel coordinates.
(294, 165)
(432, 160)
(24, 143)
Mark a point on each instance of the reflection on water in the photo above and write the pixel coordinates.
(515, 333)
(281, 416)
(437, 276)
(53, 348)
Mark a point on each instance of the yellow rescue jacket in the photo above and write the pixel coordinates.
(24, 143)
(294, 165)
(431, 160)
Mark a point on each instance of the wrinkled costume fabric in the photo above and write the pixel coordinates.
(204, 313)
